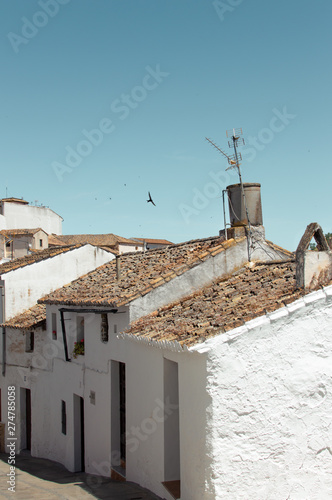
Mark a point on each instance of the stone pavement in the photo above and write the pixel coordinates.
(40, 479)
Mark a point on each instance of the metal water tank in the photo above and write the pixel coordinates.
(237, 211)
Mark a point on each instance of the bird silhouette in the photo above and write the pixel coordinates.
(150, 200)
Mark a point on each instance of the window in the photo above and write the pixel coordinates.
(54, 330)
(63, 418)
(104, 328)
(40, 243)
(29, 341)
(115, 328)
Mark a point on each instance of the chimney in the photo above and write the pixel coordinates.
(243, 204)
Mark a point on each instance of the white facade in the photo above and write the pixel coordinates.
(129, 248)
(25, 285)
(253, 416)
(243, 415)
(24, 216)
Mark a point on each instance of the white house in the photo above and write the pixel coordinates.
(16, 243)
(132, 387)
(201, 370)
(16, 213)
(23, 281)
(113, 242)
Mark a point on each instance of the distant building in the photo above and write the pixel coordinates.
(16, 213)
(200, 370)
(23, 281)
(114, 243)
(16, 243)
(151, 243)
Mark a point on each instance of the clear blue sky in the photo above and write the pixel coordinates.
(156, 77)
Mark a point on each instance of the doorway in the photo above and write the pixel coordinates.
(79, 441)
(25, 403)
(118, 419)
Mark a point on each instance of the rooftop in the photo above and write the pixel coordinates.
(20, 232)
(33, 258)
(140, 272)
(223, 305)
(102, 240)
(14, 200)
(32, 318)
(154, 241)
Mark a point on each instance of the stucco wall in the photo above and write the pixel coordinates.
(130, 248)
(225, 263)
(20, 216)
(24, 286)
(271, 387)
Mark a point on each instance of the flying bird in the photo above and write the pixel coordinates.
(150, 200)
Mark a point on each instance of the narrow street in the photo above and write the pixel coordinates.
(42, 479)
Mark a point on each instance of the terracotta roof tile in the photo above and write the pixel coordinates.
(94, 239)
(32, 318)
(140, 271)
(153, 241)
(20, 232)
(223, 305)
(33, 258)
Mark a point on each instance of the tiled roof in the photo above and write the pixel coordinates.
(54, 240)
(33, 258)
(14, 200)
(94, 239)
(223, 305)
(36, 316)
(140, 273)
(20, 232)
(153, 241)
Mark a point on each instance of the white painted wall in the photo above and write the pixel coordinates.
(24, 286)
(19, 216)
(3, 222)
(317, 268)
(270, 385)
(130, 248)
(254, 412)
(224, 263)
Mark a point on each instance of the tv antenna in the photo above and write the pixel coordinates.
(234, 161)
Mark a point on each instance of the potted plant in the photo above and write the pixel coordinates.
(78, 348)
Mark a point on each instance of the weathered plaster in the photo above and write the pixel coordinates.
(271, 387)
(223, 264)
(25, 285)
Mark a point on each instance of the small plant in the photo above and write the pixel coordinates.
(78, 348)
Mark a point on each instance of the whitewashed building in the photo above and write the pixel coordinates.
(23, 281)
(201, 371)
(16, 213)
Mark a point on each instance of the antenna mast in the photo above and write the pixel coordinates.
(234, 162)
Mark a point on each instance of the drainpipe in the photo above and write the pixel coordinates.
(64, 336)
(83, 310)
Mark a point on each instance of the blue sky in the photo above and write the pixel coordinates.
(105, 100)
